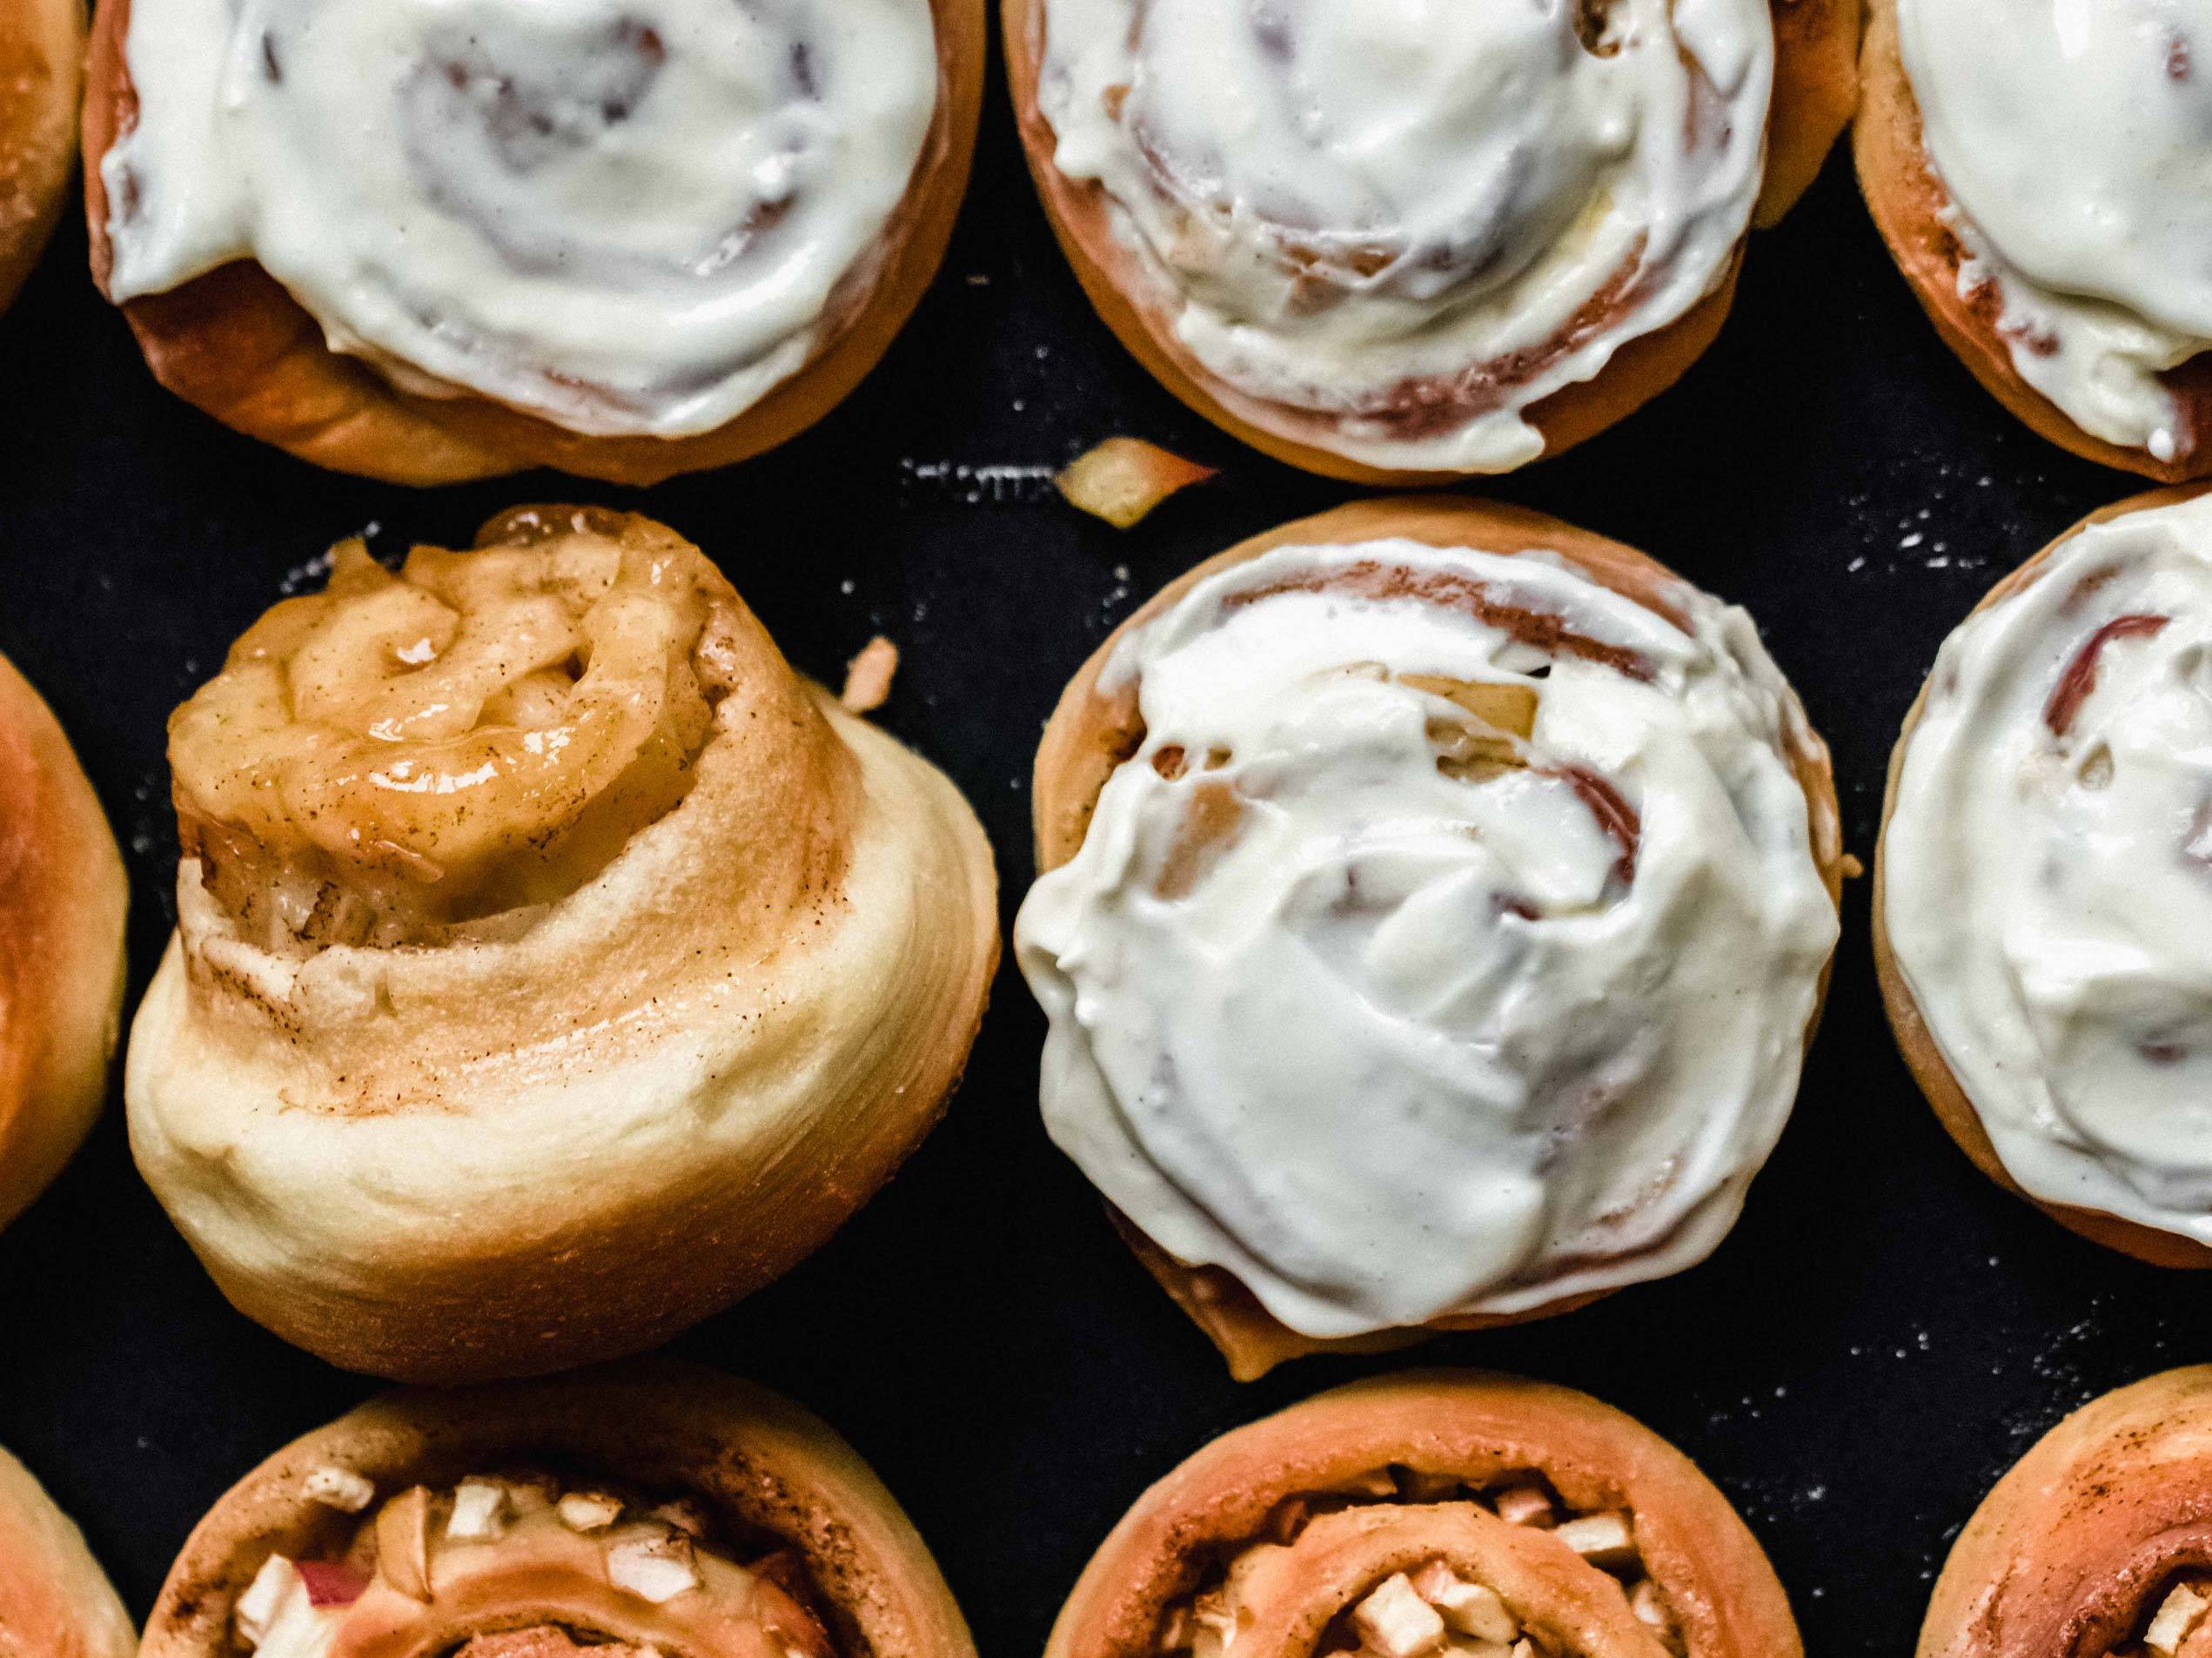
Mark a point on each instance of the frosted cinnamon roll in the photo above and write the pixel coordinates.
(62, 899)
(2042, 912)
(1436, 900)
(41, 70)
(553, 965)
(1421, 240)
(54, 1601)
(625, 238)
(660, 1509)
(2040, 175)
(2095, 1544)
(1433, 1514)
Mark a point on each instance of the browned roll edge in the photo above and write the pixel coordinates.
(1925, 1059)
(1908, 203)
(1089, 735)
(1815, 90)
(1693, 1543)
(41, 67)
(234, 344)
(62, 899)
(54, 1601)
(2067, 1552)
(744, 1451)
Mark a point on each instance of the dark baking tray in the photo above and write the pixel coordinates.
(1880, 1337)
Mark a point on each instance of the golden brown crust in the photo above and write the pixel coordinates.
(55, 1602)
(41, 66)
(236, 345)
(1922, 1056)
(375, 1150)
(2066, 1553)
(1089, 735)
(756, 1461)
(63, 896)
(1478, 1425)
(1907, 202)
(1815, 88)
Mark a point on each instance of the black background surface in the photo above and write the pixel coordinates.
(1881, 1336)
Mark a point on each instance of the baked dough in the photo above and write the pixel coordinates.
(1253, 1197)
(1599, 1537)
(63, 896)
(42, 69)
(1908, 1021)
(1917, 218)
(236, 344)
(1814, 87)
(516, 1018)
(2083, 1543)
(54, 1601)
(744, 1477)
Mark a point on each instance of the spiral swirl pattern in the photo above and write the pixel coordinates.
(628, 217)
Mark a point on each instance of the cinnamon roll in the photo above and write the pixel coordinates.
(2095, 1544)
(1433, 1514)
(2039, 176)
(1421, 240)
(1436, 901)
(553, 965)
(62, 898)
(2042, 912)
(659, 1509)
(625, 238)
(41, 70)
(54, 1601)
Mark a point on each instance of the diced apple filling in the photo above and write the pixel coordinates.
(340, 1488)
(1433, 1611)
(420, 1541)
(2178, 1629)
(1124, 479)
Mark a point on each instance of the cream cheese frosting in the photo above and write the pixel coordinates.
(1416, 216)
(1393, 1027)
(2069, 136)
(2048, 870)
(628, 217)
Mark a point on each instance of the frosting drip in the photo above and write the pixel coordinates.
(628, 217)
(1448, 946)
(1414, 218)
(2070, 136)
(2049, 868)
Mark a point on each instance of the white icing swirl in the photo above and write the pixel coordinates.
(1416, 217)
(2048, 870)
(1405, 1041)
(2071, 139)
(628, 217)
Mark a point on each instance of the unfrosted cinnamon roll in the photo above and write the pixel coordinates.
(2042, 923)
(428, 242)
(62, 898)
(1421, 239)
(2096, 1543)
(42, 68)
(54, 1601)
(660, 1509)
(1433, 1514)
(2040, 174)
(553, 965)
(1436, 901)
